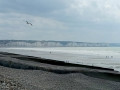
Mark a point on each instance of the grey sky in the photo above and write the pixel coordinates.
(68, 20)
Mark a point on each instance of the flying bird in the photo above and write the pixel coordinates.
(29, 23)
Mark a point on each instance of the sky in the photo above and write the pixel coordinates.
(60, 20)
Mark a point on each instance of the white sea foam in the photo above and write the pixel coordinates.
(98, 56)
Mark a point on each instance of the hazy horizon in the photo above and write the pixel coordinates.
(56, 40)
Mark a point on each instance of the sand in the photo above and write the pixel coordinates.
(19, 72)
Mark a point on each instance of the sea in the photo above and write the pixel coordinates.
(108, 57)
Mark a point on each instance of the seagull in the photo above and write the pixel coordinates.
(29, 23)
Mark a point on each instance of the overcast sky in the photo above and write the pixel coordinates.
(62, 20)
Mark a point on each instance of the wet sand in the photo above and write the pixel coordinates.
(34, 73)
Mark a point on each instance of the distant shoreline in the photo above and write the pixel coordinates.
(43, 43)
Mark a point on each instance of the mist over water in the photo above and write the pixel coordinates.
(96, 56)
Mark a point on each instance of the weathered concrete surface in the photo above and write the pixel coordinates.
(34, 75)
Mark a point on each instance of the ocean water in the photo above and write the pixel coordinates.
(108, 57)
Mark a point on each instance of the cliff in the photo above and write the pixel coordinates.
(33, 43)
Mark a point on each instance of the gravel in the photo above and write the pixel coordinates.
(48, 78)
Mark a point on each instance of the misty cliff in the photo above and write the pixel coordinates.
(33, 43)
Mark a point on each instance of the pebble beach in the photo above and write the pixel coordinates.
(20, 72)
